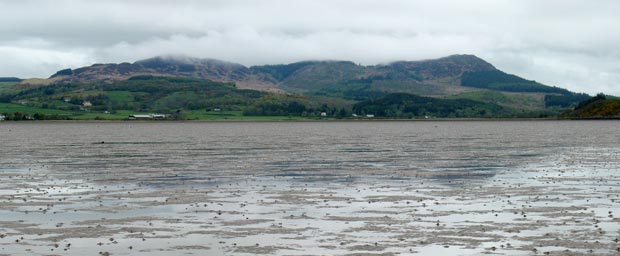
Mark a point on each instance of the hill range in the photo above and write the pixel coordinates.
(457, 86)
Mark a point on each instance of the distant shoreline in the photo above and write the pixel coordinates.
(316, 120)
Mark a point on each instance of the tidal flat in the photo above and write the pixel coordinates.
(333, 188)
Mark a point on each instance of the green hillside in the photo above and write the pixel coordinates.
(500, 81)
(318, 75)
(402, 105)
(179, 97)
(7, 84)
(184, 87)
(282, 71)
(599, 106)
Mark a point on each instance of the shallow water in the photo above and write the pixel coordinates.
(310, 188)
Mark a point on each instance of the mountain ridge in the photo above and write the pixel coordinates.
(270, 76)
(459, 76)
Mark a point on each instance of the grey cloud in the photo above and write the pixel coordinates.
(565, 43)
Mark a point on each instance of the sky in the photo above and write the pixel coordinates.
(564, 43)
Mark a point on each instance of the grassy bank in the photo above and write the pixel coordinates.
(11, 108)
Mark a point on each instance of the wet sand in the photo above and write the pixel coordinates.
(554, 203)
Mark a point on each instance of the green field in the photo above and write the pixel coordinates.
(12, 108)
(9, 108)
(236, 115)
(118, 115)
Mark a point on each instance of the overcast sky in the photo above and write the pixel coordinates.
(571, 44)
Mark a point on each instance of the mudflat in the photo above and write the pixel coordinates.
(318, 188)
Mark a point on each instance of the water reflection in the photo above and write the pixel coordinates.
(343, 149)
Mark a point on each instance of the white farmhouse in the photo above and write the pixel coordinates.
(136, 116)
